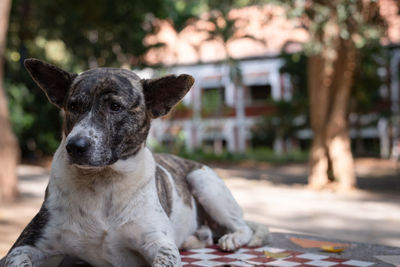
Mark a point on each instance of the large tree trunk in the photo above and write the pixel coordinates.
(8, 143)
(330, 82)
(319, 80)
(337, 131)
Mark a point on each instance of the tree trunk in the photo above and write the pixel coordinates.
(330, 82)
(338, 139)
(8, 143)
(319, 81)
(318, 174)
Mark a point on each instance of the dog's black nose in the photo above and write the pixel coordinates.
(78, 146)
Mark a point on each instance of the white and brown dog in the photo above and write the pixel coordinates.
(110, 201)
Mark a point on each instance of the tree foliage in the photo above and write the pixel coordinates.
(186, 12)
(74, 35)
(81, 34)
(103, 32)
(354, 20)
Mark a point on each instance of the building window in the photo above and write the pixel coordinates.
(259, 94)
(212, 101)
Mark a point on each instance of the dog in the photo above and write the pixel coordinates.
(109, 200)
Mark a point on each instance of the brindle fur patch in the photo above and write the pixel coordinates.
(92, 94)
(33, 231)
(164, 190)
(179, 168)
(88, 100)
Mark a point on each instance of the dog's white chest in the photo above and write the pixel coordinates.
(96, 230)
(98, 224)
(109, 225)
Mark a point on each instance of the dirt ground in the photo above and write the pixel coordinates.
(272, 194)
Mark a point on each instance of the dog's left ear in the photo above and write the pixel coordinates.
(54, 81)
(163, 93)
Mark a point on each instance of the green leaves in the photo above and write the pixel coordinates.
(328, 20)
(18, 96)
(75, 35)
(88, 29)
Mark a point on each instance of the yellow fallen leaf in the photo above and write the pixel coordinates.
(332, 249)
(309, 243)
(276, 255)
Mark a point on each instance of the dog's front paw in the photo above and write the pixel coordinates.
(24, 256)
(229, 242)
(18, 259)
(233, 241)
(166, 262)
(167, 257)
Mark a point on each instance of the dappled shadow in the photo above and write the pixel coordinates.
(32, 182)
(296, 174)
(33, 177)
(4, 222)
(28, 195)
(383, 183)
(344, 227)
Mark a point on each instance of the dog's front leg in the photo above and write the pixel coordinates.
(25, 252)
(159, 249)
(24, 256)
(167, 255)
(163, 251)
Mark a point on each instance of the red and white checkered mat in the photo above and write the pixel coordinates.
(212, 256)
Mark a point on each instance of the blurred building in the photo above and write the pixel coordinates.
(390, 11)
(210, 112)
(219, 112)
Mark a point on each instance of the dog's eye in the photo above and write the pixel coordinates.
(115, 107)
(73, 107)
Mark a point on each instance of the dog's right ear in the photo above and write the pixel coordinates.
(54, 81)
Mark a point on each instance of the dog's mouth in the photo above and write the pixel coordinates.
(86, 167)
(86, 164)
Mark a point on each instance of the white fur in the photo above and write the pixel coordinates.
(183, 217)
(119, 221)
(217, 200)
(113, 216)
(136, 221)
(199, 239)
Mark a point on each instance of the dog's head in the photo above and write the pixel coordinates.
(107, 110)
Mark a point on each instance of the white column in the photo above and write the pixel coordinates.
(240, 119)
(187, 128)
(287, 87)
(275, 82)
(229, 87)
(278, 145)
(230, 135)
(394, 92)
(394, 77)
(384, 138)
(196, 125)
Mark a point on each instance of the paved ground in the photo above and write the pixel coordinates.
(274, 195)
(278, 197)
(354, 255)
